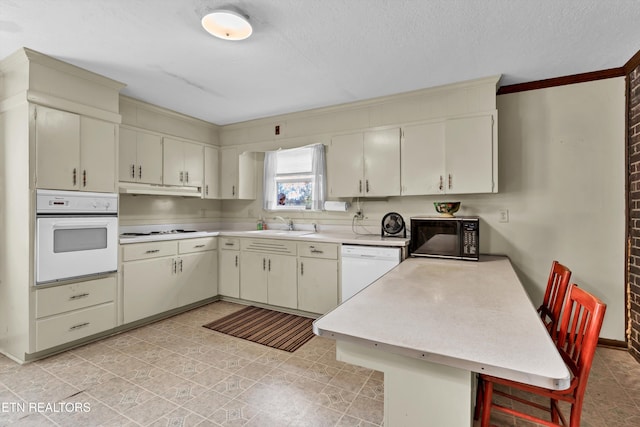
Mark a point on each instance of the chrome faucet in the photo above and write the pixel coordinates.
(288, 223)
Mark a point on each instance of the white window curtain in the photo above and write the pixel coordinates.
(305, 164)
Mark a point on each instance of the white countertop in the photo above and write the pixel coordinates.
(470, 315)
(332, 237)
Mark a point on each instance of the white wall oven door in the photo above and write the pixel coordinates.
(75, 246)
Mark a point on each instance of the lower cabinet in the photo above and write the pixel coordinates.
(317, 277)
(269, 277)
(229, 267)
(160, 276)
(69, 312)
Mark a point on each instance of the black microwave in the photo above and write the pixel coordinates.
(444, 237)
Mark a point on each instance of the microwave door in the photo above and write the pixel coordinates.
(439, 238)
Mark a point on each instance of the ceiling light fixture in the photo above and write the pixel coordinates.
(227, 24)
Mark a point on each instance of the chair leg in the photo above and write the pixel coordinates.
(553, 406)
(487, 395)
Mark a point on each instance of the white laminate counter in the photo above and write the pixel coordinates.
(334, 237)
(449, 317)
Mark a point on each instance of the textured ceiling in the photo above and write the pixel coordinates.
(312, 53)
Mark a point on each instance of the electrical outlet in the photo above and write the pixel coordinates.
(503, 215)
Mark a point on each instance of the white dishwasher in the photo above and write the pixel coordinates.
(363, 265)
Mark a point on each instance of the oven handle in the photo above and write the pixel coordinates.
(70, 226)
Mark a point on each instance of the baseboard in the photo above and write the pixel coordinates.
(605, 342)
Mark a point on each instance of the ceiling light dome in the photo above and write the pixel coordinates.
(227, 24)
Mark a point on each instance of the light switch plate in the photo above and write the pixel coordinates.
(503, 215)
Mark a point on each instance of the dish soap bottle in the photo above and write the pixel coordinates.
(260, 224)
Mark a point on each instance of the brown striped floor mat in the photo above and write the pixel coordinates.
(283, 331)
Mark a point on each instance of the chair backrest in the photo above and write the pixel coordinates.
(554, 297)
(582, 317)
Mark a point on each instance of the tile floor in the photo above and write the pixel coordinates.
(176, 373)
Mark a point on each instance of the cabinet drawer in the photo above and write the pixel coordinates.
(283, 247)
(77, 324)
(229, 243)
(197, 245)
(318, 250)
(65, 298)
(149, 250)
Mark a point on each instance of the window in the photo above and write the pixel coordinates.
(294, 179)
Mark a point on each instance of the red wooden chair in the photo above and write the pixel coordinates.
(554, 296)
(577, 339)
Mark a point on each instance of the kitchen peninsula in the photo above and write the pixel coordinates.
(429, 324)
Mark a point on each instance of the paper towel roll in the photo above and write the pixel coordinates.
(336, 206)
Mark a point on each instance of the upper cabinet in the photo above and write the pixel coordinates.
(211, 171)
(74, 152)
(183, 163)
(452, 156)
(237, 174)
(140, 157)
(365, 164)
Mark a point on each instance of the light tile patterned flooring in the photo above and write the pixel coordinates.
(176, 373)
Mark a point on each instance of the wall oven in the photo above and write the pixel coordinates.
(445, 237)
(76, 235)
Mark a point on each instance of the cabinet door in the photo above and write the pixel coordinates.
(382, 163)
(253, 276)
(469, 155)
(193, 164)
(282, 281)
(149, 158)
(198, 274)
(97, 155)
(317, 285)
(127, 153)
(228, 173)
(173, 171)
(211, 170)
(150, 287)
(345, 166)
(229, 278)
(422, 159)
(247, 185)
(57, 149)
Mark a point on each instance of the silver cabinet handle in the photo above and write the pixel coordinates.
(360, 186)
(180, 265)
(229, 244)
(367, 181)
(186, 174)
(199, 246)
(441, 186)
(449, 181)
(264, 264)
(75, 297)
(140, 172)
(74, 177)
(152, 251)
(84, 177)
(175, 267)
(301, 268)
(233, 190)
(316, 251)
(79, 325)
(133, 171)
(206, 190)
(236, 260)
(269, 264)
(181, 176)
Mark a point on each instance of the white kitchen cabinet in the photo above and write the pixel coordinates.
(365, 164)
(160, 276)
(229, 267)
(453, 156)
(182, 163)
(74, 152)
(317, 277)
(237, 174)
(140, 157)
(268, 272)
(211, 189)
(69, 312)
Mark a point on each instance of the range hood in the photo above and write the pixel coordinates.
(159, 190)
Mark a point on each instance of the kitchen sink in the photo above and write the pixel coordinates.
(279, 232)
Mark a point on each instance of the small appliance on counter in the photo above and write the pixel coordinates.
(393, 225)
(445, 237)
